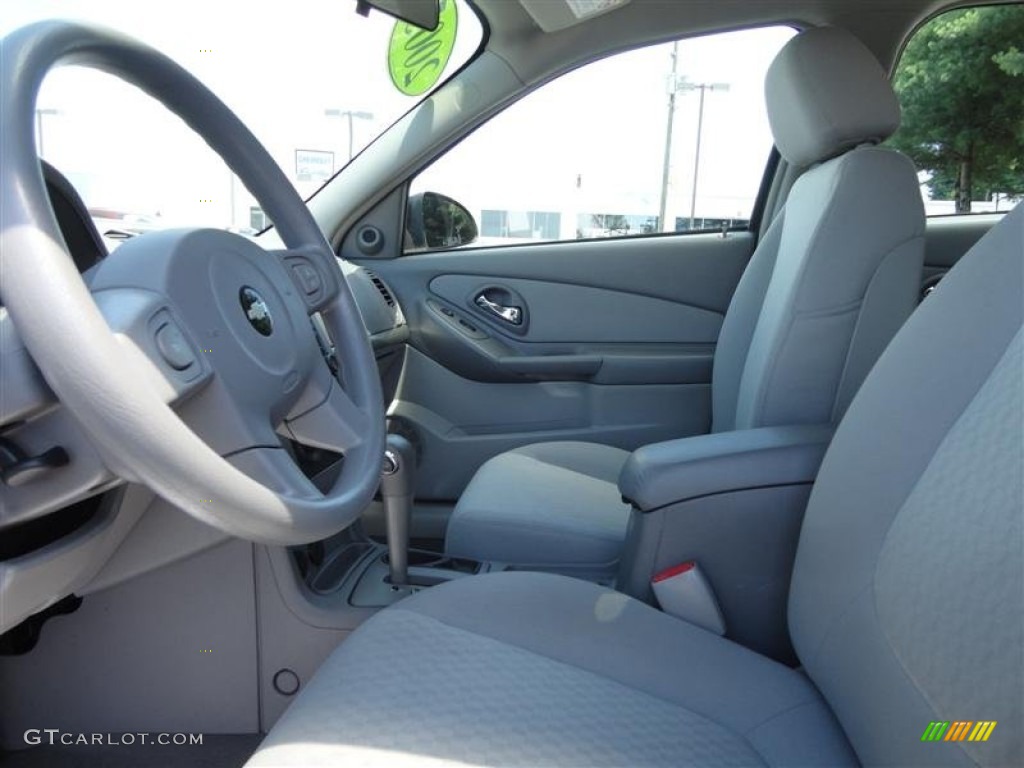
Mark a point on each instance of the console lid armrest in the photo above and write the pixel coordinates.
(676, 470)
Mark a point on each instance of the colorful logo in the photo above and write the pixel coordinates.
(959, 730)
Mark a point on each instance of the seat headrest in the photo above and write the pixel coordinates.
(826, 93)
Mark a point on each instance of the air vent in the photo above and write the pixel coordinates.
(383, 289)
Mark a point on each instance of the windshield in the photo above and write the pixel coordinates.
(309, 77)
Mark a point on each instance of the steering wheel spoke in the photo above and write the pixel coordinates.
(153, 342)
(314, 273)
(335, 423)
(274, 469)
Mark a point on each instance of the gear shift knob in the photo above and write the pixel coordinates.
(397, 481)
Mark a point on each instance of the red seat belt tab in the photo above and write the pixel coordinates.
(683, 592)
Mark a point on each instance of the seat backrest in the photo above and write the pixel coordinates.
(907, 600)
(839, 270)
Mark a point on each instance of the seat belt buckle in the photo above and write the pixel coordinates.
(683, 592)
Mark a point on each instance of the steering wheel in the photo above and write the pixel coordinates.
(190, 351)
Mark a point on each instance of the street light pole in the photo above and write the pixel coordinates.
(676, 86)
(703, 88)
(696, 160)
(350, 114)
(672, 91)
(351, 134)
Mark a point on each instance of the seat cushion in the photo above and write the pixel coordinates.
(546, 504)
(536, 669)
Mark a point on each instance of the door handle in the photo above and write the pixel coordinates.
(513, 315)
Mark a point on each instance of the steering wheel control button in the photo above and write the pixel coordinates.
(173, 347)
(308, 278)
(256, 310)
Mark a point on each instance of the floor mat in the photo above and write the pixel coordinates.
(216, 751)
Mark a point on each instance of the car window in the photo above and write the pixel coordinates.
(960, 80)
(668, 138)
(309, 77)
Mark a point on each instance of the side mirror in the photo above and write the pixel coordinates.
(436, 221)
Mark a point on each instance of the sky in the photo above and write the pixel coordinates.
(596, 136)
(278, 65)
(591, 141)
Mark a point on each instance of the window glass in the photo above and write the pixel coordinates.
(669, 138)
(960, 81)
(308, 77)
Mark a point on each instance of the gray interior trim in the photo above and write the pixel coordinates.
(713, 262)
(677, 470)
(163, 535)
(85, 475)
(171, 651)
(947, 238)
(23, 391)
(288, 639)
(567, 312)
(40, 578)
(744, 542)
(460, 423)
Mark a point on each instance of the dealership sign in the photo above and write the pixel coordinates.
(313, 165)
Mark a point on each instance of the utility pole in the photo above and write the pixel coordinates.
(350, 114)
(703, 88)
(672, 91)
(675, 86)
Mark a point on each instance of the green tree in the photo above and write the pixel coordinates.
(961, 85)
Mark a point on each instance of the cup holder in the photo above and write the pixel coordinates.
(421, 558)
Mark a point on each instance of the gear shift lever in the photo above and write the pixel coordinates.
(398, 478)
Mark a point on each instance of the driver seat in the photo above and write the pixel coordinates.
(904, 609)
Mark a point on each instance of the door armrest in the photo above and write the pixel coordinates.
(679, 470)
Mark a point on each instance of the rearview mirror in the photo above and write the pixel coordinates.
(436, 221)
(421, 13)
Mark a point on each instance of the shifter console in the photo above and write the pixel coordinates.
(359, 572)
(397, 480)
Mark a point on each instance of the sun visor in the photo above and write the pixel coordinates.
(553, 15)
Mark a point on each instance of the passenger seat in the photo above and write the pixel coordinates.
(833, 279)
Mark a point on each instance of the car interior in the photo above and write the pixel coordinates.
(384, 483)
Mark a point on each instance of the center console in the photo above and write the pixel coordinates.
(731, 503)
(357, 571)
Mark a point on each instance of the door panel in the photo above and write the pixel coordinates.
(563, 312)
(615, 346)
(947, 238)
(459, 423)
